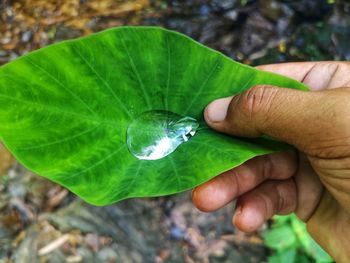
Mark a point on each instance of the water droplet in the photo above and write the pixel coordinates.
(157, 133)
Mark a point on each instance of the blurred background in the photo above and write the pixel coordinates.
(42, 222)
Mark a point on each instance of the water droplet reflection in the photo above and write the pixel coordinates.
(156, 134)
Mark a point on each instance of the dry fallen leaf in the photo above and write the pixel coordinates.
(6, 160)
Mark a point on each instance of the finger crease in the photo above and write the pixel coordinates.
(268, 213)
(280, 202)
(236, 182)
(308, 72)
(267, 167)
(335, 70)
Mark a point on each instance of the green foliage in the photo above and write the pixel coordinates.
(243, 2)
(65, 110)
(292, 243)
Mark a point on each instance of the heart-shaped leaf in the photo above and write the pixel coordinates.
(65, 110)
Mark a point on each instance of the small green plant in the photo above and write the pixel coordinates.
(291, 242)
(243, 2)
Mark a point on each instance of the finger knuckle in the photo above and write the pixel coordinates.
(268, 166)
(257, 100)
(286, 193)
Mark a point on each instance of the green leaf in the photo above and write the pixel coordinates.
(308, 244)
(280, 238)
(280, 220)
(302, 258)
(285, 256)
(65, 110)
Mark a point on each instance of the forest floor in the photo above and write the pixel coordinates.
(42, 222)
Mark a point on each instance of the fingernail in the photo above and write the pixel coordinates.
(217, 110)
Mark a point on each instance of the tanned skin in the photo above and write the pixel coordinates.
(312, 181)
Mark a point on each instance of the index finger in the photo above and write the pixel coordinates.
(316, 75)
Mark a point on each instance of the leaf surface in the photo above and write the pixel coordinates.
(65, 110)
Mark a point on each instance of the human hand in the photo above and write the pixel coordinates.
(313, 182)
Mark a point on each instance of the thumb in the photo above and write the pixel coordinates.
(297, 117)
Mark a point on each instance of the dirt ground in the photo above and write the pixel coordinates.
(42, 222)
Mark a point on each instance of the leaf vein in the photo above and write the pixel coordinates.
(103, 81)
(134, 69)
(67, 139)
(175, 171)
(168, 75)
(131, 183)
(227, 152)
(63, 86)
(59, 110)
(246, 85)
(98, 163)
(201, 87)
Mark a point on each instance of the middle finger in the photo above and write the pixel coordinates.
(225, 187)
